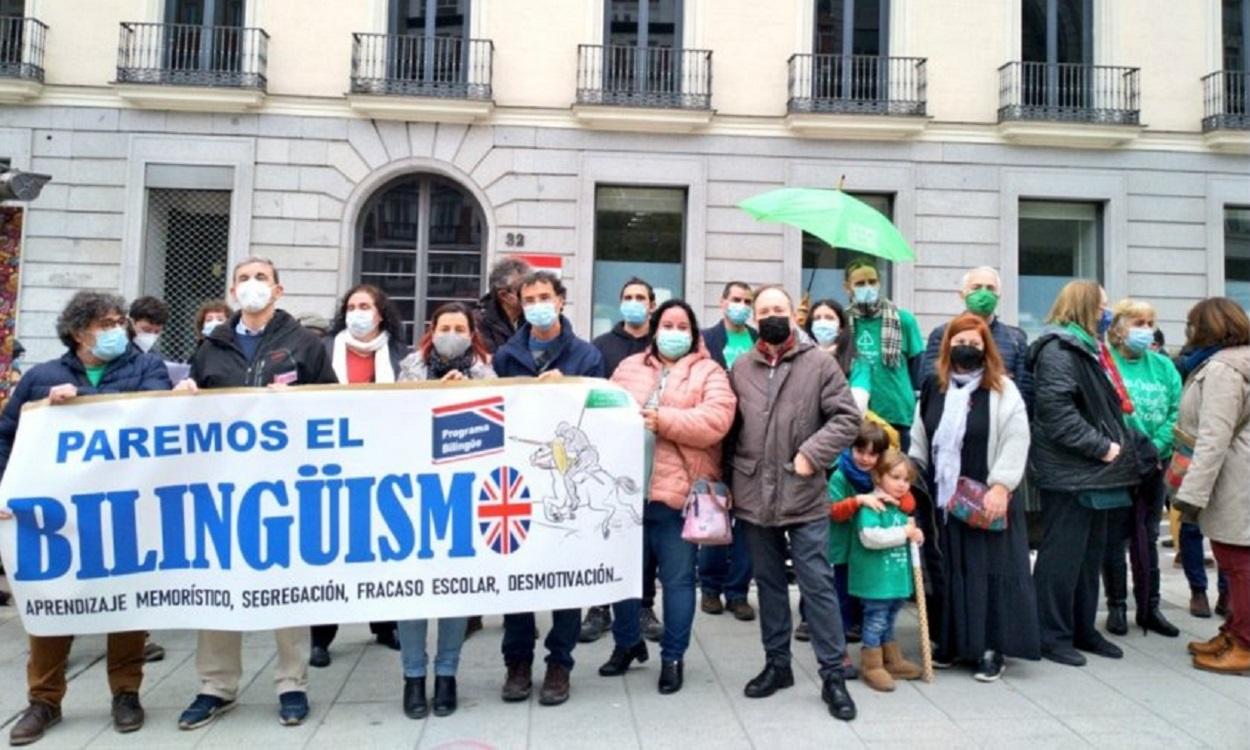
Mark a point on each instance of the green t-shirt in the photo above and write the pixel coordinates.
(737, 343)
(891, 393)
(840, 533)
(95, 373)
(1155, 387)
(880, 573)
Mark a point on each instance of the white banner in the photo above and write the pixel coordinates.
(255, 509)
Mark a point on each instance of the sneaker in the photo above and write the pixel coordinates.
(153, 651)
(712, 604)
(802, 633)
(598, 621)
(127, 713)
(990, 667)
(292, 708)
(652, 628)
(742, 610)
(203, 710)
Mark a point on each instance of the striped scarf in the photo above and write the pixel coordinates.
(891, 328)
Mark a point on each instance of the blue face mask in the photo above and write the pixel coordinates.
(541, 315)
(673, 344)
(825, 331)
(738, 313)
(867, 295)
(1104, 323)
(1139, 339)
(633, 312)
(110, 344)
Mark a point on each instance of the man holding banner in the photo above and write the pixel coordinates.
(100, 359)
(260, 346)
(545, 346)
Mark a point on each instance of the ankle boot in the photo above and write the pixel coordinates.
(618, 663)
(444, 695)
(416, 705)
(1153, 620)
(1199, 606)
(1117, 619)
(897, 665)
(872, 670)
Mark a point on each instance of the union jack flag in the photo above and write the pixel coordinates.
(503, 510)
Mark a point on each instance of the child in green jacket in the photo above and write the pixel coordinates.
(880, 571)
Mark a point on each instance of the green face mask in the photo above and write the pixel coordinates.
(982, 302)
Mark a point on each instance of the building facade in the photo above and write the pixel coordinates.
(410, 143)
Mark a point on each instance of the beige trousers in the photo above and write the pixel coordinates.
(219, 661)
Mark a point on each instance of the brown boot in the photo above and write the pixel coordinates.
(1212, 647)
(519, 682)
(1233, 660)
(36, 719)
(897, 665)
(1198, 604)
(872, 670)
(555, 688)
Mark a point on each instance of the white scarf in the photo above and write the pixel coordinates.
(948, 439)
(378, 347)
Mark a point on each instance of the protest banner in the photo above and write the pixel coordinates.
(254, 509)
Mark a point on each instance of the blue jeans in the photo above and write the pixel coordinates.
(1193, 560)
(661, 534)
(412, 646)
(726, 569)
(879, 616)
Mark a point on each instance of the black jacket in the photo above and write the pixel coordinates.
(132, 371)
(493, 324)
(616, 345)
(715, 338)
(395, 348)
(1076, 417)
(286, 347)
(570, 355)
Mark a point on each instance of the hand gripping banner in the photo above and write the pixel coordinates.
(256, 509)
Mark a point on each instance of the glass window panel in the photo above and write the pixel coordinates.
(663, 23)
(12, 7)
(1237, 255)
(377, 261)
(623, 22)
(1234, 34)
(866, 36)
(828, 25)
(639, 231)
(1033, 30)
(824, 266)
(1072, 23)
(1058, 242)
(394, 286)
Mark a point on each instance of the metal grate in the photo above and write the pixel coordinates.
(185, 249)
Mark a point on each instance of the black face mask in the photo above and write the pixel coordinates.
(967, 358)
(775, 329)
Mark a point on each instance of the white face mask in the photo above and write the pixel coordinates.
(145, 341)
(209, 327)
(360, 322)
(451, 345)
(253, 295)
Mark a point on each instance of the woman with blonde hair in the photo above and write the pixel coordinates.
(1083, 462)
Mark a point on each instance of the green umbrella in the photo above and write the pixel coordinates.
(834, 217)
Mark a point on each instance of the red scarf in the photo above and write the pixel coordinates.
(771, 358)
(1113, 372)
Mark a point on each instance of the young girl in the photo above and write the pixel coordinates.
(880, 570)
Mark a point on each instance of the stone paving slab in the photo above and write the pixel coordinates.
(1152, 698)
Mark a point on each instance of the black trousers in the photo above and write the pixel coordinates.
(323, 635)
(1124, 525)
(1069, 560)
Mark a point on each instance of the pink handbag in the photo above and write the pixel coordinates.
(707, 519)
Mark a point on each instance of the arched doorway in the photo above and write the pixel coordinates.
(422, 239)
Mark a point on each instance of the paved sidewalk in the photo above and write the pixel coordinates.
(1150, 699)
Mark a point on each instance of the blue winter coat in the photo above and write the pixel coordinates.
(570, 355)
(132, 371)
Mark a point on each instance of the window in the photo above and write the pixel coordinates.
(421, 242)
(824, 267)
(643, 44)
(639, 231)
(868, 33)
(430, 42)
(1058, 242)
(1237, 254)
(1058, 37)
(13, 8)
(185, 247)
(206, 36)
(1236, 35)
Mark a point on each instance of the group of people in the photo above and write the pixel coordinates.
(845, 439)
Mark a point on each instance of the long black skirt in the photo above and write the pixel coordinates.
(988, 602)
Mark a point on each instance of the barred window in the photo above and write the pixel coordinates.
(185, 248)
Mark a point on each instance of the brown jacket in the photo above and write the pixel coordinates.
(802, 405)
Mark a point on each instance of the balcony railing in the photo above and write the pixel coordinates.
(1068, 92)
(447, 67)
(22, 42)
(628, 76)
(1224, 100)
(857, 84)
(176, 54)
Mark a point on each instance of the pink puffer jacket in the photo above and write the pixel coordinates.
(696, 411)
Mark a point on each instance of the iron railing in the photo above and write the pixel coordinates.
(192, 55)
(1069, 92)
(22, 43)
(1224, 100)
(857, 84)
(448, 67)
(630, 76)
